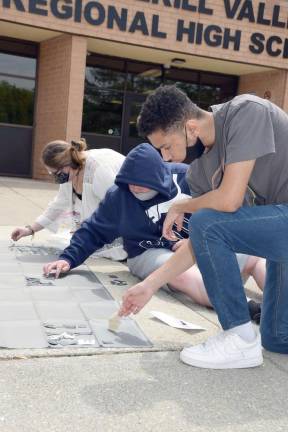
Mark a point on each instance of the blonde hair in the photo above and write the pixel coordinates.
(57, 154)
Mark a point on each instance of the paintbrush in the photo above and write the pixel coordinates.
(114, 322)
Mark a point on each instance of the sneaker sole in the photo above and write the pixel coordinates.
(240, 364)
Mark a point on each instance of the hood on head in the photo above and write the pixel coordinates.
(145, 167)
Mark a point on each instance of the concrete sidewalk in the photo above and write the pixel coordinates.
(86, 390)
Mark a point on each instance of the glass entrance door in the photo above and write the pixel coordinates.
(132, 107)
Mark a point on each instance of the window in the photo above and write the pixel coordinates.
(142, 78)
(17, 87)
(105, 89)
(111, 82)
(103, 101)
(203, 88)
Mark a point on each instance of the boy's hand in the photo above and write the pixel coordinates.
(56, 267)
(174, 216)
(179, 244)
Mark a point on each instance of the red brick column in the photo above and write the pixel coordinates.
(60, 88)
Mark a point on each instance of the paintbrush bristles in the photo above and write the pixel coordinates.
(114, 322)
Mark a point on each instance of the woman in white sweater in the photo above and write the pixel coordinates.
(84, 177)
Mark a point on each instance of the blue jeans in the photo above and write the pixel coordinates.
(260, 231)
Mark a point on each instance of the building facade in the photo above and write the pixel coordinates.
(72, 68)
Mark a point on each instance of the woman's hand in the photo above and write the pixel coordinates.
(19, 232)
(174, 216)
(135, 299)
(56, 267)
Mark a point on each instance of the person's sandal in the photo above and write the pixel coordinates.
(254, 311)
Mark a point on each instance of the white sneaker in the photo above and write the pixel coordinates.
(226, 350)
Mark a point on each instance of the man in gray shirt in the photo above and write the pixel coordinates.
(239, 204)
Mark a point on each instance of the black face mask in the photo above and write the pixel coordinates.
(195, 151)
(61, 177)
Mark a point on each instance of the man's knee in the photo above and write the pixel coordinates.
(199, 222)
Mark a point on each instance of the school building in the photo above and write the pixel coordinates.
(72, 68)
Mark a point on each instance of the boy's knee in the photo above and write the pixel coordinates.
(181, 280)
(250, 264)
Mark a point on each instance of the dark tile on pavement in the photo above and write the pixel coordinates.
(127, 334)
(50, 311)
(22, 334)
(17, 311)
(99, 310)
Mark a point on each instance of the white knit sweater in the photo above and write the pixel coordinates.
(100, 171)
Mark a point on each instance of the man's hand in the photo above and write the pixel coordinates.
(173, 216)
(56, 267)
(135, 299)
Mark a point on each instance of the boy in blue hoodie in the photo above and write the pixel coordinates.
(135, 209)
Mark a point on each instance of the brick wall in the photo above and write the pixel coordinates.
(168, 18)
(61, 72)
(274, 82)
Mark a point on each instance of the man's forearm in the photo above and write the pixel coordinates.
(215, 200)
(181, 261)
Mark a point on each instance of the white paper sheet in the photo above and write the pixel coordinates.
(175, 322)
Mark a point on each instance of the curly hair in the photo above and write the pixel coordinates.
(166, 108)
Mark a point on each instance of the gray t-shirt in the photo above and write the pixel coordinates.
(247, 128)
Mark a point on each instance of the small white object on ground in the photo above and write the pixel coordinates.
(175, 322)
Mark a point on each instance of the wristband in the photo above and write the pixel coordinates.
(31, 229)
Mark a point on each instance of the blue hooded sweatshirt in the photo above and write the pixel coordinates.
(121, 214)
